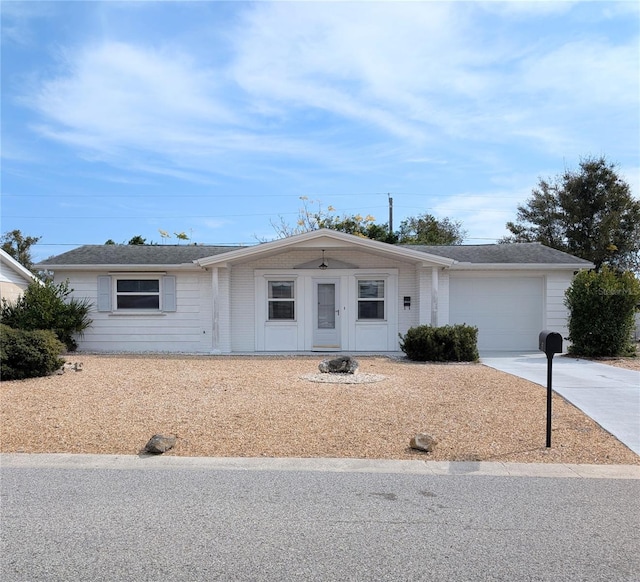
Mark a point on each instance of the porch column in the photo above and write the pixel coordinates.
(424, 285)
(434, 296)
(215, 310)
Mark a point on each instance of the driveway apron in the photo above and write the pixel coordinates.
(607, 394)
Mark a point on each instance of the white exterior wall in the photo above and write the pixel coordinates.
(556, 312)
(424, 296)
(223, 309)
(242, 307)
(187, 330)
(222, 334)
(442, 315)
(14, 278)
(11, 284)
(548, 301)
(408, 286)
(251, 330)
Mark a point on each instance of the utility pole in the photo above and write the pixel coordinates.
(390, 214)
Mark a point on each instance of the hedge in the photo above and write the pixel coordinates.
(602, 307)
(449, 343)
(28, 354)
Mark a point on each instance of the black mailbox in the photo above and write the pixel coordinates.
(550, 342)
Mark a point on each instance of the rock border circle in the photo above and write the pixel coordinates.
(338, 378)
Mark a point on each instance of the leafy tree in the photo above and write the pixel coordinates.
(589, 213)
(17, 245)
(426, 229)
(358, 225)
(48, 306)
(601, 306)
(423, 229)
(308, 219)
(140, 240)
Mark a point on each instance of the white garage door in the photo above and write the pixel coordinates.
(506, 310)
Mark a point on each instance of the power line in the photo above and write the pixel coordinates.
(310, 197)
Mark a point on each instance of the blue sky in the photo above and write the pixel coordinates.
(214, 118)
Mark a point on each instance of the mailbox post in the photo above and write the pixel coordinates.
(550, 342)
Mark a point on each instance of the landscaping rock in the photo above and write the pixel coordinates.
(159, 444)
(423, 442)
(75, 367)
(339, 365)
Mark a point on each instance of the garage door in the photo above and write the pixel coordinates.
(506, 310)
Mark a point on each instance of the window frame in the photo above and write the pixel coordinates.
(379, 300)
(107, 293)
(273, 300)
(156, 294)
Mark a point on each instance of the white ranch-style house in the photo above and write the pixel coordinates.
(318, 291)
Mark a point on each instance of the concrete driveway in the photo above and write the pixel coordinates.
(609, 395)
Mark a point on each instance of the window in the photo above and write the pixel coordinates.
(138, 294)
(371, 299)
(281, 300)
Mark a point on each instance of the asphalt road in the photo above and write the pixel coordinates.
(169, 523)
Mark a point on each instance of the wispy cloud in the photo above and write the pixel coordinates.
(122, 93)
(583, 74)
(303, 78)
(16, 19)
(427, 70)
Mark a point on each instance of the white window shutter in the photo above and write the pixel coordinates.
(104, 293)
(169, 302)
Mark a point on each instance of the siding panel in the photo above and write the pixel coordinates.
(182, 331)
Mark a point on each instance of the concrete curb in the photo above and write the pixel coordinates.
(435, 468)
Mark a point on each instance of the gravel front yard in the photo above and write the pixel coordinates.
(266, 406)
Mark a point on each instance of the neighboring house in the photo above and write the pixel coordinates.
(14, 278)
(322, 290)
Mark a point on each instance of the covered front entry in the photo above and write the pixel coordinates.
(326, 314)
(339, 309)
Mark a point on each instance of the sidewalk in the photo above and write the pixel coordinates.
(323, 465)
(609, 395)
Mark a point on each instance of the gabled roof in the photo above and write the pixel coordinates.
(327, 239)
(512, 255)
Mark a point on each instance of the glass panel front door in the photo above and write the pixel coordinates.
(326, 306)
(326, 314)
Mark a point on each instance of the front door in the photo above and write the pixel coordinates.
(326, 314)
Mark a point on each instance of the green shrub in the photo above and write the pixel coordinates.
(450, 343)
(28, 354)
(601, 312)
(48, 306)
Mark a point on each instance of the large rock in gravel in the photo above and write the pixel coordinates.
(159, 444)
(339, 365)
(423, 442)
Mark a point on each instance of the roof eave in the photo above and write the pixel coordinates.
(521, 266)
(122, 267)
(18, 267)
